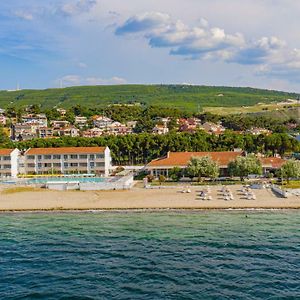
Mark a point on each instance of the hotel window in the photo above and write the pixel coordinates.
(47, 156)
(39, 157)
(57, 165)
(31, 165)
(100, 156)
(30, 157)
(48, 165)
(56, 156)
(65, 156)
(92, 165)
(66, 165)
(6, 158)
(92, 156)
(74, 156)
(83, 164)
(100, 164)
(39, 165)
(6, 167)
(83, 156)
(74, 164)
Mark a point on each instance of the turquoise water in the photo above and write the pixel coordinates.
(166, 255)
(66, 179)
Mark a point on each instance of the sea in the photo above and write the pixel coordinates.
(150, 255)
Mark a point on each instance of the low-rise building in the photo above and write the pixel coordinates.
(102, 122)
(44, 132)
(163, 165)
(23, 131)
(213, 128)
(68, 160)
(9, 163)
(3, 120)
(160, 129)
(57, 124)
(39, 119)
(61, 111)
(80, 121)
(258, 131)
(71, 131)
(93, 132)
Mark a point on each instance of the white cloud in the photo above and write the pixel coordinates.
(271, 54)
(77, 7)
(28, 16)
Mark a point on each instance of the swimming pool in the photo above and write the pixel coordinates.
(67, 179)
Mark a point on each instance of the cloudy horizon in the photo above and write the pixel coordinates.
(99, 42)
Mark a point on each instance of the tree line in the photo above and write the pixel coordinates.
(142, 148)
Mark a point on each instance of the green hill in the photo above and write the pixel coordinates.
(190, 98)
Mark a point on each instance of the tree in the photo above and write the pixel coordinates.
(161, 179)
(203, 167)
(243, 166)
(291, 169)
(175, 173)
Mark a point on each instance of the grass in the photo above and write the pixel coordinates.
(293, 184)
(189, 98)
(21, 189)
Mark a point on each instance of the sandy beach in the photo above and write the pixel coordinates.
(139, 198)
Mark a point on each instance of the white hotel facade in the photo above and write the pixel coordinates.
(65, 160)
(9, 163)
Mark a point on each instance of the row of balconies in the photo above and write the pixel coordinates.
(64, 157)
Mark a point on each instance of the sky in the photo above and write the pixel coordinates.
(58, 43)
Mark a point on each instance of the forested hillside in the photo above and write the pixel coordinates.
(190, 98)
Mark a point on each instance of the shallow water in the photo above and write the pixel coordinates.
(158, 255)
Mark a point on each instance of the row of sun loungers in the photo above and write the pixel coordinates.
(247, 193)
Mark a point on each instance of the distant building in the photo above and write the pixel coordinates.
(80, 121)
(213, 128)
(102, 122)
(93, 132)
(160, 129)
(258, 131)
(3, 120)
(39, 119)
(71, 131)
(44, 132)
(57, 124)
(9, 162)
(23, 132)
(61, 111)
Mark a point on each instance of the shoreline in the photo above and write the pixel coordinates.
(145, 210)
(140, 200)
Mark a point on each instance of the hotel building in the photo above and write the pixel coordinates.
(9, 163)
(68, 160)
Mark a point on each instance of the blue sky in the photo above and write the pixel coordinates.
(50, 43)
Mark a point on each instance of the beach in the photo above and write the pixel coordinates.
(139, 198)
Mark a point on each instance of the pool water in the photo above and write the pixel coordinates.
(66, 179)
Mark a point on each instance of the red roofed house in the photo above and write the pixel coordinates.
(68, 160)
(162, 166)
(271, 163)
(9, 162)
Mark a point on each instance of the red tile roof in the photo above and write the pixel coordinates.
(65, 150)
(181, 159)
(6, 152)
(273, 162)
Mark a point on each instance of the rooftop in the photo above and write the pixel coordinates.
(182, 158)
(6, 151)
(65, 150)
